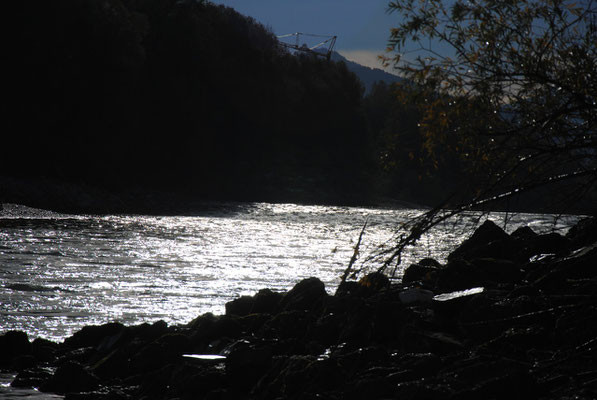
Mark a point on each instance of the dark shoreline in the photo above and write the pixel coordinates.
(531, 333)
(76, 198)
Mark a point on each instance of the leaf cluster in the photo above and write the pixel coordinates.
(508, 86)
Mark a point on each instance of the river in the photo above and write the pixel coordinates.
(61, 272)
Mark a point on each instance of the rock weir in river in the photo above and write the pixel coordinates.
(508, 316)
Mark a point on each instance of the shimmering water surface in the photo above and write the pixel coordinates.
(60, 272)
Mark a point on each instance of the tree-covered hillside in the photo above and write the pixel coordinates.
(177, 96)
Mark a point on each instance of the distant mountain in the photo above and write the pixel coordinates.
(367, 75)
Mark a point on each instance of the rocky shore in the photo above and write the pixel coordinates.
(508, 316)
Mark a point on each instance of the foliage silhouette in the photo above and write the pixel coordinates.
(514, 98)
(185, 97)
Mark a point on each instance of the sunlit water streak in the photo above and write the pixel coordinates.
(59, 272)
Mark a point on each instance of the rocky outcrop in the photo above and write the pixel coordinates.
(508, 317)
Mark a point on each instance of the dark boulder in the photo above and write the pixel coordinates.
(247, 363)
(240, 306)
(550, 243)
(23, 362)
(208, 328)
(308, 294)
(92, 336)
(351, 289)
(175, 343)
(287, 325)
(458, 274)
(115, 364)
(266, 301)
(30, 378)
(368, 285)
(44, 350)
(524, 233)
(483, 236)
(13, 344)
(375, 281)
(584, 233)
(147, 331)
(423, 273)
(495, 271)
(70, 377)
(151, 358)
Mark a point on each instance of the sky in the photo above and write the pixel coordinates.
(362, 26)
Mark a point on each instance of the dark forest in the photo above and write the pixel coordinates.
(154, 105)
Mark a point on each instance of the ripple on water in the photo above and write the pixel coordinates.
(90, 270)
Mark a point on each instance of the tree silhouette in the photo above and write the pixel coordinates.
(514, 97)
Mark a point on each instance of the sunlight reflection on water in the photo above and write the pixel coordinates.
(76, 271)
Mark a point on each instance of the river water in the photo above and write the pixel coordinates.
(61, 272)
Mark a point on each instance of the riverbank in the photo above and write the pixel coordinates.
(526, 330)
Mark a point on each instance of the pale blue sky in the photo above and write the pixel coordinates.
(362, 26)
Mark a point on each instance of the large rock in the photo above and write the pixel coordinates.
(71, 377)
(584, 233)
(13, 344)
(92, 336)
(490, 241)
(265, 301)
(308, 294)
(240, 306)
(247, 363)
(422, 273)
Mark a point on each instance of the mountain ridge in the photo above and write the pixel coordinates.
(367, 75)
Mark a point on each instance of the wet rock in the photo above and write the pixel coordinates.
(44, 350)
(293, 377)
(266, 301)
(208, 328)
(81, 355)
(420, 274)
(154, 384)
(23, 362)
(308, 294)
(351, 288)
(584, 233)
(70, 377)
(491, 271)
(175, 343)
(416, 296)
(287, 324)
(92, 336)
(253, 322)
(247, 363)
(197, 383)
(580, 265)
(151, 358)
(149, 332)
(551, 243)
(31, 378)
(375, 281)
(524, 233)
(115, 364)
(480, 241)
(13, 344)
(458, 274)
(240, 306)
